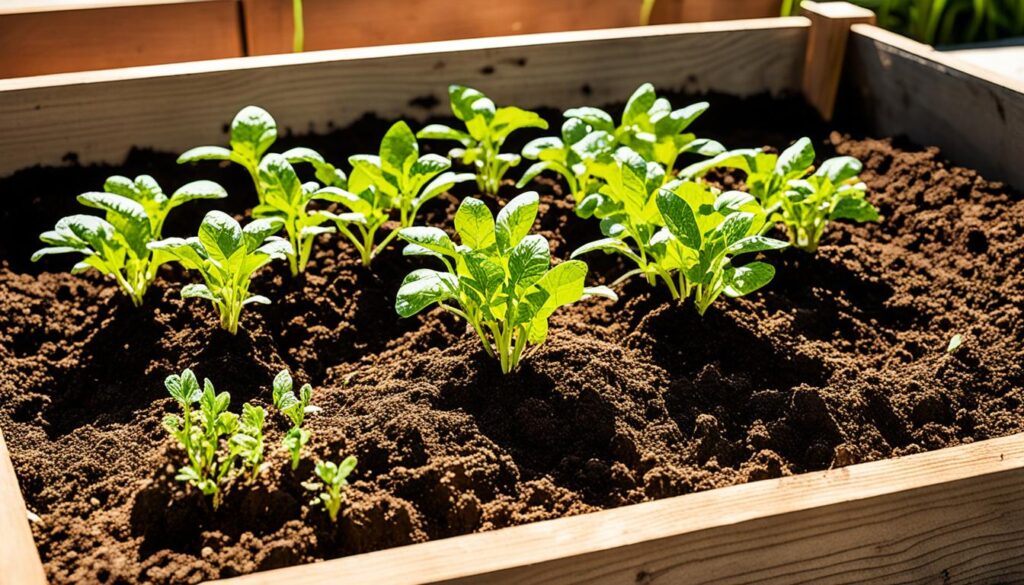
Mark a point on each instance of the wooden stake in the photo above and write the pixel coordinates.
(826, 47)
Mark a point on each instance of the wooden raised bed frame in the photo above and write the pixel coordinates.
(955, 515)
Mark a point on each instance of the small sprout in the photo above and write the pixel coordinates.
(117, 245)
(397, 178)
(651, 127)
(295, 408)
(227, 256)
(499, 278)
(333, 479)
(804, 204)
(954, 343)
(199, 432)
(487, 128)
(253, 132)
(286, 198)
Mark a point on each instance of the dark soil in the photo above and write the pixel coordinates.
(841, 359)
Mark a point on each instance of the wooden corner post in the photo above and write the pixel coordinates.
(826, 47)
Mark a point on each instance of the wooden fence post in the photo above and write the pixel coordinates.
(826, 47)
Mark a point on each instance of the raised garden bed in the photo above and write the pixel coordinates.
(38, 37)
(841, 360)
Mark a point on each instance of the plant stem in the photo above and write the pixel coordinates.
(299, 38)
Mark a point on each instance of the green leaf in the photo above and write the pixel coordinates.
(796, 159)
(93, 231)
(598, 119)
(184, 388)
(127, 216)
(431, 238)
(197, 190)
(442, 132)
(756, 244)
(528, 261)
(252, 132)
(744, 280)
(422, 288)
(280, 182)
(204, 153)
(679, 219)
(639, 103)
(220, 235)
(397, 147)
(734, 227)
(281, 386)
(475, 224)
(839, 169)
(564, 284)
(856, 209)
(608, 246)
(463, 100)
(486, 276)
(515, 219)
(198, 291)
(258, 230)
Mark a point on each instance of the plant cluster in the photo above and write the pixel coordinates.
(203, 433)
(221, 445)
(675, 227)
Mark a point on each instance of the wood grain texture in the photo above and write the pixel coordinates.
(950, 516)
(101, 115)
(19, 560)
(903, 87)
(96, 35)
(338, 24)
(826, 47)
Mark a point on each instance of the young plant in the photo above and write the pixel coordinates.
(627, 208)
(805, 206)
(333, 479)
(227, 256)
(487, 128)
(651, 127)
(693, 253)
(199, 432)
(577, 156)
(287, 198)
(135, 212)
(499, 279)
(295, 408)
(253, 132)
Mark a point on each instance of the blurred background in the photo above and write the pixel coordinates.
(53, 36)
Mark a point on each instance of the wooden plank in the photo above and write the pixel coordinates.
(903, 87)
(1006, 60)
(19, 559)
(949, 516)
(78, 36)
(826, 47)
(338, 24)
(100, 115)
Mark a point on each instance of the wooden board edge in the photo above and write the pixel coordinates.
(494, 556)
(940, 58)
(33, 6)
(19, 558)
(362, 53)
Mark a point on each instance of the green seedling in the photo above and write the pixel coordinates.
(295, 408)
(487, 128)
(253, 132)
(651, 127)
(117, 245)
(227, 256)
(499, 278)
(333, 480)
(579, 156)
(287, 198)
